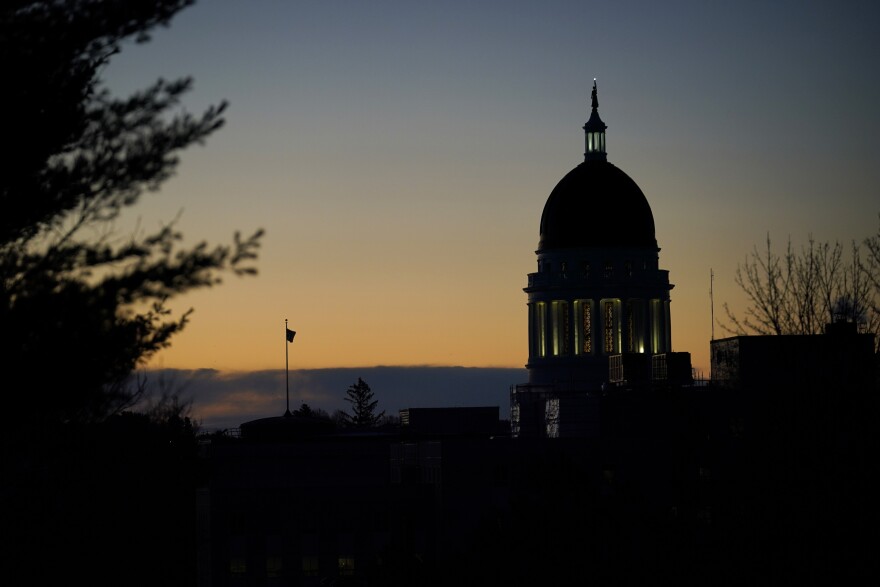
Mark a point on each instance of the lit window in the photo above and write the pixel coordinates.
(609, 327)
(551, 418)
(583, 332)
(310, 566)
(237, 565)
(273, 566)
(346, 566)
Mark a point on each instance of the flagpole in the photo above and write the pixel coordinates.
(286, 369)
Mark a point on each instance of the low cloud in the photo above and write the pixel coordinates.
(222, 399)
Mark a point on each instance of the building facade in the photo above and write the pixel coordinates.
(598, 293)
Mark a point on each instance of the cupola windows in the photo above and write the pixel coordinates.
(595, 132)
(595, 142)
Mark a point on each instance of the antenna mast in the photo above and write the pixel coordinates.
(712, 300)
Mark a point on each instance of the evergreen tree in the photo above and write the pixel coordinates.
(305, 411)
(363, 406)
(74, 296)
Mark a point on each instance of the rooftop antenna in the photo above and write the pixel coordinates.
(712, 300)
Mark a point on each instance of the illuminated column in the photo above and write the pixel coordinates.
(667, 327)
(656, 331)
(541, 329)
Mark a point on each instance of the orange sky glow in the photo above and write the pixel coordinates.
(399, 158)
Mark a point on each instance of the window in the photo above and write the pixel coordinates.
(237, 565)
(586, 268)
(560, 327)
(346, 566)
(595, 142)
(609, 270)
(583, 333)
(551, 418)
(310, 566)
(609, 327)
(273, 566)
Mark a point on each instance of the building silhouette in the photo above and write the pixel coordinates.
(617, 467)
(598, 297)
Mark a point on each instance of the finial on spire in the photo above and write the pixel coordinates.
(595, 132)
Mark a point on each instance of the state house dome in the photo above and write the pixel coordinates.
(596, 205)
(599, 314)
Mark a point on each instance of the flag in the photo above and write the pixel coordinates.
(290, 335)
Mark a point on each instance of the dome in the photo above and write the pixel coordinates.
(596, 205)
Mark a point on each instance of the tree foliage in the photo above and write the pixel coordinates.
(363, 406)
(81, 307)
(306, 411)
(801, 290)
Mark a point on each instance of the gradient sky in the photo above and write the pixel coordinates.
(399, 155)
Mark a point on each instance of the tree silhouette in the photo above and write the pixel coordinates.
(363, 406)
(871, 267)
(304, 411)
(81, 307)
(800, 291)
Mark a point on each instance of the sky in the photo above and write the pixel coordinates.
(399, 155)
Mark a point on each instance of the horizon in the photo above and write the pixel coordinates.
(221, 400)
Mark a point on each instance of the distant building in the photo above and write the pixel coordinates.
(796, 389)
(598, 293)
(296, 501)
(795, 443)
(440, 500)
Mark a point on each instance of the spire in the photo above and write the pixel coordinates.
(595, 131)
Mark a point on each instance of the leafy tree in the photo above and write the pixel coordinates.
(800, 291)
(363, 406)
(81, 308)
